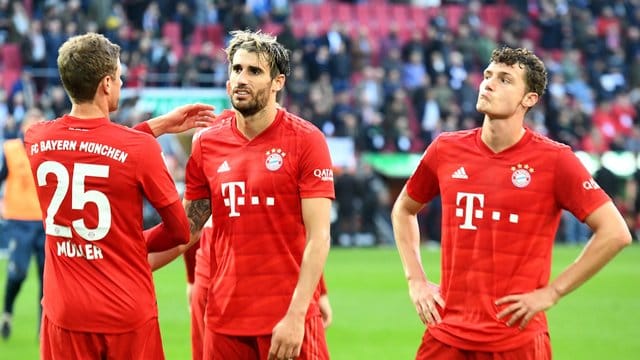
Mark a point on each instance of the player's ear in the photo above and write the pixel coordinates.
(529, 99)
(278, 82)
(105, 84)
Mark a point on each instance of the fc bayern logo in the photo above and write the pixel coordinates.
(521, 178)
(275, 159)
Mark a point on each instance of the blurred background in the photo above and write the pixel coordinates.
(381, 79)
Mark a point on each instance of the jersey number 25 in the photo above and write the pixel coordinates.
(79, 198)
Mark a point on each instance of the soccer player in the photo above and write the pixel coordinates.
(503, 188)
(23, 227)
(91, 176)
(264, 175)
(198, 272)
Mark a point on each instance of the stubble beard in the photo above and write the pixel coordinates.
(252, 106)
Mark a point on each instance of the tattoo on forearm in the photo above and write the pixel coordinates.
(198, 211)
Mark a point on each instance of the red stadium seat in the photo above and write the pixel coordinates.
(533, 33)
(324, 16)
(271, 27)
(304, 13)
(362, 12)
(343, 12)
(215, 34)
(494, 14)
(380, 10)
(8, 78)
(172, 31)
(454, 13)
(419, 17)
(399, 13)
(28, 6)
(11, 57)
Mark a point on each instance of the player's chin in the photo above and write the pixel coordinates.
(483, 105)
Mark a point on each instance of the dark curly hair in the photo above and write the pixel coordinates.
(535, 72)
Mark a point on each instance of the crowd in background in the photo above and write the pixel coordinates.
(391, 75)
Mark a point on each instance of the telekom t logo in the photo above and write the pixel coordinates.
(233, 194)
(470, 211)
(231, 198)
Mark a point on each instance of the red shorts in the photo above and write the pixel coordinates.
(537, 349)
(141, 343)
(221, 346)
(198, 304)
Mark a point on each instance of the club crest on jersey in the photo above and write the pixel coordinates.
(275, 159)
(521, 176)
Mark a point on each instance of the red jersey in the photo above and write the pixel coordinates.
(203, 255)
(91, 177)
(255, 187)
(500, 213)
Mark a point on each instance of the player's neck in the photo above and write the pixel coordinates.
(500, 135)
(252, 126)
(88, 111)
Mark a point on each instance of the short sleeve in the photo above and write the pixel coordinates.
(575, 189)
(316, 169)
(422, 185)
(156, 181)
(144, 127)
(195, 178)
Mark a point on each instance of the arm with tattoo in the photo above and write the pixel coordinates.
(198, 211)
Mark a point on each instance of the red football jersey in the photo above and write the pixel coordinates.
(500, 213)
(203, 255)
(92, 176)
(256, 187)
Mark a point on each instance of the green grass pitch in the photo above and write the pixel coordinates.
(374, 318)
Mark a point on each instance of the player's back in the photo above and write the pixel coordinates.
(91, 176)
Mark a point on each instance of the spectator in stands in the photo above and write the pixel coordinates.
(53, 38)
(187, 19)
(5, 21)
(33, 47)
(151, 21)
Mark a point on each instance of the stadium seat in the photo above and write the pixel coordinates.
(362, 13)
(533, 33)
(399, 13)
(475, 78)
(28, 6)
(215, 34)
(343, 12)
(324, 16)
(305, 13)
(173, 32)
(11, 57)
(379, 10)
(418, 17)
(494, 14)
(453, 14)
(271, 27)
(8, 78)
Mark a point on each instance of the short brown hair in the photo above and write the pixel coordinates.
(265, 45)
(535, 72)
(83, 61)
